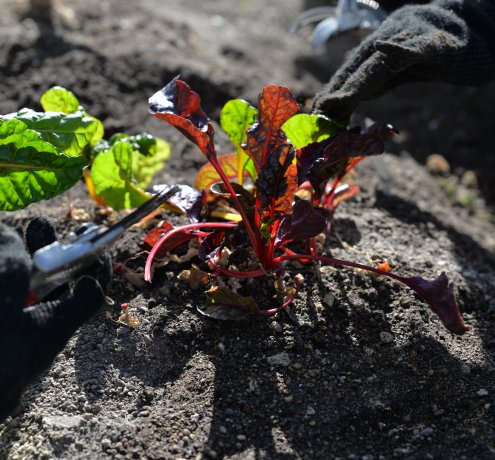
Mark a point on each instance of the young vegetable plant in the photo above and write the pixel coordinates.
(42, 154)
(270, 216)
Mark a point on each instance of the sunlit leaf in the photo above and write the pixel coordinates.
(276, 106)
(277, 184)
(179, 106)
(207, 175)
(156, 233)
(68, 133)
(303, 129)
(235, 119)
(144, 167)
(58, 99)
(112, 177)
(31, 169)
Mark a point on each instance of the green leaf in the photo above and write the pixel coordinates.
(58, 99)
(111, 174)
(99, 131)
(70, 134)
(145, 167)
(144, 143)
(235, 119)
(303, 129)
(30, 169)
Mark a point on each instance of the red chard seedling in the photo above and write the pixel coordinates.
(280, 187)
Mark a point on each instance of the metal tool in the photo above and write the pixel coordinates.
(347, 15)
(57, 263)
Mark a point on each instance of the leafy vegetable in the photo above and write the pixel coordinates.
(303, 129)
(113, 179)
(31, 169)
(70, 134)
(269, 216)
(44, 153)
(235, 119)
(58, 99)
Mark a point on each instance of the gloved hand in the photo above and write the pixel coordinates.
(31, 337)
(448, 40)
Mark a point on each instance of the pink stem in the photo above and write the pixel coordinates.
(344, 263)
(166, 236)
(232, 274)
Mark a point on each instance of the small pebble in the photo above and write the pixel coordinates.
(329, 299)
(222, 429)
(425, 432)
(105, 443)
(386, 337)
(310, 411)
(277, 327)
(482, 392)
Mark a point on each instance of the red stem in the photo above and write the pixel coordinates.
(271, 246)
(255, 241)
(232, 274)
(166, 236)
(344, 263)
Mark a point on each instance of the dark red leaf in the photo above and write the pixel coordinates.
(439, 295)
(187, 200)
(179, 106)
(211, 244)
(304, 222)
(318, 162)
(276, 106)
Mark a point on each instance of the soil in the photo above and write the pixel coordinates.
(367, 372)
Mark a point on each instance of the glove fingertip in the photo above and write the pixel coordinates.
(39, 233)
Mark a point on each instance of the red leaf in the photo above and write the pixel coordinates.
(276, 106)
(211, 244)
(179, 106)
(304, 222)
(187, 200)
(320, 161)
(154, 235)
(439, 295)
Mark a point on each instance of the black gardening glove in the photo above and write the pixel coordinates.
(31, 337)
(452, 41)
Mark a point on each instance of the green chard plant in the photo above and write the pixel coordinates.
(42, 154)
(288, 169)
